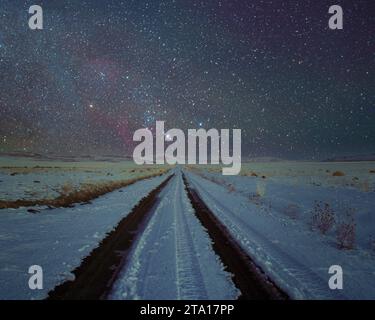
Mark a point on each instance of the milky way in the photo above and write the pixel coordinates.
(99, 70)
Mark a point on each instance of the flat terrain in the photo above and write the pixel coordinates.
(189, 233)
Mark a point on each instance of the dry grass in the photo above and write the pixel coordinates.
(346, 231)
(250, 174)
(323, 217)
(69, 196)
(338, 174)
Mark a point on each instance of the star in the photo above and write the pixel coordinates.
(101, 70)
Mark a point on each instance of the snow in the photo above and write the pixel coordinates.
(295, 257)
(58, 239)
(173, 258)
(302, 184)
(30, 179)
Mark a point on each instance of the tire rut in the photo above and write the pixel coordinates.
(249, 279)
(97, 272)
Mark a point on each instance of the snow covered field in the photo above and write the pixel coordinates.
(270, 209)
(31, 179)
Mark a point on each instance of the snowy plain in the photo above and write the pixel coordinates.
(32, 179)
(268, 209)
(288, 249)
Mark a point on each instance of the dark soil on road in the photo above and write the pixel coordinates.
(97, 272)
(249, 279)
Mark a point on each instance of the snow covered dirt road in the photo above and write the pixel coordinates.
(173, 258)
(168, 247)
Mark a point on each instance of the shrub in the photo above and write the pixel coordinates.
(346, 231)
(338, 174)
(323, 217)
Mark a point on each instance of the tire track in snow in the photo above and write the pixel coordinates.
(245, 235)
(187, 260)
(95, 276)
(137, 278)
(246, 275)
(173, 258)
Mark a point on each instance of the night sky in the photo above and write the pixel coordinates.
(102, 69)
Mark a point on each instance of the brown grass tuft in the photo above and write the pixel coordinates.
(70, 196)
(323, 217)
(346, 231)
(338, 174)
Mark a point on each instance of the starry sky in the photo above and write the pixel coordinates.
(99, 70)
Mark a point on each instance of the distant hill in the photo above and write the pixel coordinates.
(262, 159)
(67, 158)
(21, 154)
(355, 158)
